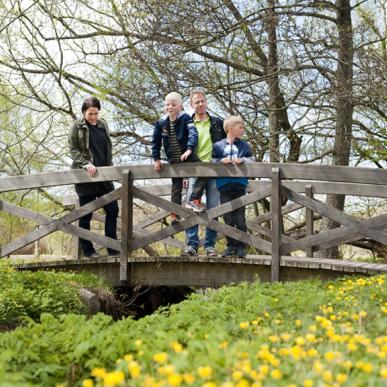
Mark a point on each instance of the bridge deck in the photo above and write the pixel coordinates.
(207, 271)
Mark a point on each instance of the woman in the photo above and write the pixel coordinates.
(91, 147)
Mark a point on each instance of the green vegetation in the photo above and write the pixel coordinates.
(29, 294)
(302, 334)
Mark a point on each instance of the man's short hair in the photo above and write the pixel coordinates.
(232, 121)
(90, 102)
(174, 96)
(195, 92)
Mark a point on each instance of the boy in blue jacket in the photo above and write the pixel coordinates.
(233, 150)
(178, 134)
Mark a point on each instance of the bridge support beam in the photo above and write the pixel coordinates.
(309, 225)
(126, 224)
(276, 222)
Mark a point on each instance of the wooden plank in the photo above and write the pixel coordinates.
(284, 210)
(334, 214)
(267, 232)
(56, 224)
(253, 170)
(337, 236)
(275, 225)
(154, 218)
(126, 224)
(329, 187)
(67, 228)
(309, 219)
(193, 219)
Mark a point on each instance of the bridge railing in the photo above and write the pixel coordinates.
(278, 183)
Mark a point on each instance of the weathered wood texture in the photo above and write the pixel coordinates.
(206, 271)
(322, 173)
(297, 183)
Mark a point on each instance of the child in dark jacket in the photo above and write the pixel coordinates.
(233, 150)
(178, 134)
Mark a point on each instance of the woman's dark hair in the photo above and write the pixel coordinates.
(91, 102)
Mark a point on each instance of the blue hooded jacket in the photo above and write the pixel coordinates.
(186, 135)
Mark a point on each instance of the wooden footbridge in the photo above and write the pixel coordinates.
(287, 187)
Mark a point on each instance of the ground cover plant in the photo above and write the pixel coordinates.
(288, 334)
(26, 294)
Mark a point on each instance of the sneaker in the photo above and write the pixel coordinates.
(211, 252)
(94, 254)
(189, 251)
(229, 252)
(241, 252)
(174, 218)
(195, 206)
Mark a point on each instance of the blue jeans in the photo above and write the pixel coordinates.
(212, 200)
(236, 218)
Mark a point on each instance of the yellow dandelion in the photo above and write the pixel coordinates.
(330, 356)
(318, 367)
(243, 383)
(169, 369)
(128, 358)
(134, 369)
(308, 383)
(311, 352)
(223, 345)
(264, 369)
(149, 381)
(312, 328)
(237, 375)
(176, 346)
(227, 384)
(175, 379)
(244, 325)
(88, 383)
(160, 357)
(205, 372)
(114, 378)
(383, 372)
(276, 374)
(274, 338)
(98, 372)
(298, 323)
(209, 384)
(285, 336)
(368, 368)
(341, 378)
(188, 378)
(327, 376)
(351, 347)
(138, 343)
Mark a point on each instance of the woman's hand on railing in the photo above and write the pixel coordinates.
(91, 169)
(157, 165)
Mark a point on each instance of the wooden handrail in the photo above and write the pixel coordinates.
(321, 173)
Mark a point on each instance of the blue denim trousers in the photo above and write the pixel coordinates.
(212, 200)
(236, 218)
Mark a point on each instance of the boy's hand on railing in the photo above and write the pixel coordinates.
(238, 161)
(226, 160)
(185, 155)
(157, 165)
(91, 169)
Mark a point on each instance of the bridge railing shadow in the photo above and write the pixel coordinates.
(286, 187)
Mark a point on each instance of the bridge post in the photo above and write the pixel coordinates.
(309, 219)
(275, 224)
(126, 224)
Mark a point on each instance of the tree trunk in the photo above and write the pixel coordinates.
(344, 109)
